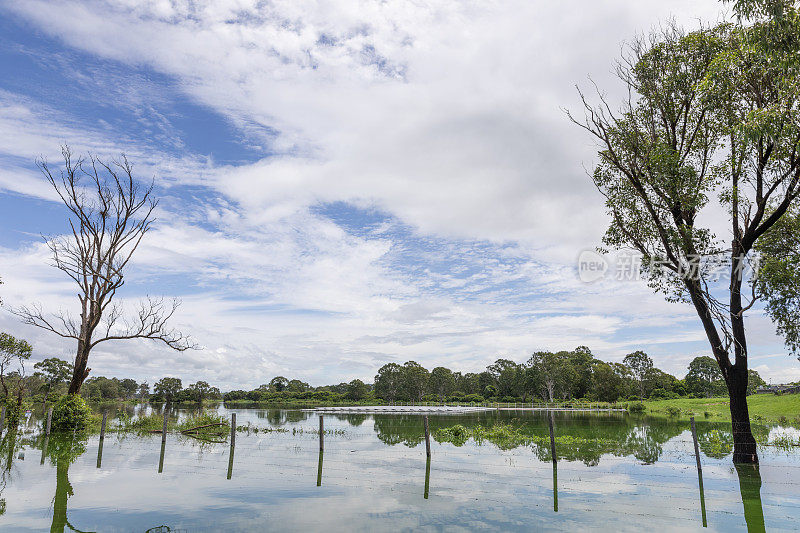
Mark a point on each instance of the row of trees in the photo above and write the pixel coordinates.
(552, 376)
(549, 376)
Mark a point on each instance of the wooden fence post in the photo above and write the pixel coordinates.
(103, 427)
(49, 420)
(696, 447)
(163, 442)
(699, 473)
(427, 437)
(321, 434)
(552, 438)
(233, 445)
(164, 427)
(44, 449)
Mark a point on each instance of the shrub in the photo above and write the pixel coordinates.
(70, 412)
(13, 411)
(707, 414)
(673, 411)
(636, 407)
(783, 421)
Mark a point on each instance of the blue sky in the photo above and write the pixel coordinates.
(342, 184)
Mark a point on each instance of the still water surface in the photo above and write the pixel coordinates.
(615, 472)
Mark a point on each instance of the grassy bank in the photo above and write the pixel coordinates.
(763, 407)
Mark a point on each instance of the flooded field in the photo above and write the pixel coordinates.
(488, 471)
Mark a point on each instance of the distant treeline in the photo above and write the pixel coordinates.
(545, 376)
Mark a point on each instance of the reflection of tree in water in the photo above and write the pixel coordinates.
(63, 451)
(400, 429)
(750, 489)
(354, 419)
(579, 437)
(8, 448)
(297, 415)
(280, 417)
(716, 440)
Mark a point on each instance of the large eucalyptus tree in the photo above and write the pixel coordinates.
(698, 166)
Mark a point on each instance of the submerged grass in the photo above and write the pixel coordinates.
(507, 436)
(204, 419)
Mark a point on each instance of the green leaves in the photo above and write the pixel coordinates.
(778, 281)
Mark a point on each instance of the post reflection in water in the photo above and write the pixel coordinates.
(702, 498)
(555, 486)
(750, 489)
(99, 454)
(427, 476)
(45, 444)
(161, 459)
(319, 469)
(230, 463)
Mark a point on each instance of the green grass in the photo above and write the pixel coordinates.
(763, 407)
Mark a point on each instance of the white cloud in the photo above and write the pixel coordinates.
(446, 115)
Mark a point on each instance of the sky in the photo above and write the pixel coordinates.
(342, 183)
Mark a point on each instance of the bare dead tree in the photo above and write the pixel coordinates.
(109, 214)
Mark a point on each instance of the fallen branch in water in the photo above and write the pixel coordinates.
(196, 428)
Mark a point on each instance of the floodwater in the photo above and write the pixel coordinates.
(615, 472)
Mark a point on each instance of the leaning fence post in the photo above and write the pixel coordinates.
(696, 447)
(552, 438)
(427, 436)
(49, 419)
(699, 473)
(321, 434)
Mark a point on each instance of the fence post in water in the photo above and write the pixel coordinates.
(233, 445)
(49, 419)
(427, 437)
(552, 438)
(321, 435)
(699, 473)
(163, 442)
(103, 427)
(44, 449)
(164, 427)
(696, 447)
(102, 436)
